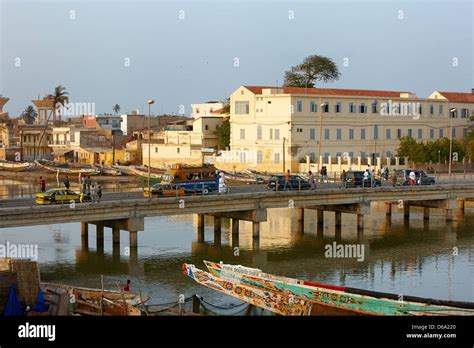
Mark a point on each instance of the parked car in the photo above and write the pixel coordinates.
(57, 195)
(168, 190)
(356, 179)
(421, 178)
(277, 183)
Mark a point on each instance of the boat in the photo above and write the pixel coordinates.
(143, 172)
(63, 170)
(108, 170)
(87, 301)
(288, 296)
(14, 166)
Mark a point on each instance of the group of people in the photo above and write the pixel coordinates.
(91, 189)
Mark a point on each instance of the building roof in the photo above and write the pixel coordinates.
(330, 91)
(458, 97)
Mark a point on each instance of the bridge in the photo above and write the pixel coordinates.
(128, 213)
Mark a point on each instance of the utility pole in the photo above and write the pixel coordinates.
(150, 102)
(284, 169)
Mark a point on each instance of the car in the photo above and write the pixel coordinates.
(277, 183)
(356, 179)
(57, 195)
(167, 190)
(421, 178)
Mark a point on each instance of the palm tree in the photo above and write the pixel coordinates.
(116, 108)
(59, 98)
(29, 114)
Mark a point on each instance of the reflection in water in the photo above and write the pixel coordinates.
(427, 258)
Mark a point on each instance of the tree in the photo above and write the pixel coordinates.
(314, 68)
(432, 151)
(116, 108)
(223, 134)
(29, 114)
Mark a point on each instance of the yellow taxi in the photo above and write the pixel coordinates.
(164, 190)
(57, 195)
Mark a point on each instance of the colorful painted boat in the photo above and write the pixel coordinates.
(307, 298)
(14, 166)
(63, 170)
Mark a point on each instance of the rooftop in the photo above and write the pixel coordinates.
(329, 91)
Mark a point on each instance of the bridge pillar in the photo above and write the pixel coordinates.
(116, 236)
(300, 220)
(235, 233)
(85, 235)
(388, 209)
(217, 230)
(320, 216)
(256, 235)
(100, 236)
(406, 211)
(338, 218)
(426, 213)
(360, 221)
(449, 215)
(200, 227)
(133, 236)
(459, 212)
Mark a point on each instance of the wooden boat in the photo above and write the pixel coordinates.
(143, 172)
(63, 170)
(128, 170)
(108, 170)
(288, 296)
(14, 166)
(87, 301)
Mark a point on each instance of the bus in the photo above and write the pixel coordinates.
(202, 179)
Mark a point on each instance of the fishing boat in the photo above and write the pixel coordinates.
(14, 166)
(108, 170)
(143, 172)
(128, 170)
(87, 301)
(288, 296)
(63, 170)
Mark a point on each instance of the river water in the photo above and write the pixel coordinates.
(434, 259)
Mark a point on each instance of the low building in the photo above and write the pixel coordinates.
(206, 109)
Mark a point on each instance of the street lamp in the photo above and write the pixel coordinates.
(320, 133)
(284, 139)
(452, 112)
(150, 102)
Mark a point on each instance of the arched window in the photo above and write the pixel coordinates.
(259, 133)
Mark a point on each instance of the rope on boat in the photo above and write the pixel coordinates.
(169, 303)
(214, 312)
(220, 307)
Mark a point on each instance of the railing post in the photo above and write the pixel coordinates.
(202, 189)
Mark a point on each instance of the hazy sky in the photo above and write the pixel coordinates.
(184, 52)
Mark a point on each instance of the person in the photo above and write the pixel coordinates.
(99, 193)
(394, 178)
(366, 177)
(84, 184)
(343, 179)
(312, 181)
(412, 177)
(126, 288)
(287, 181)
(325, 175)
(42, 184)
(386, 174)
(222, 183)
(93, 194)
(66, 182)
(372, 178)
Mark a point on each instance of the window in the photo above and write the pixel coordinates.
(431, 109)
(299, 130)
(206, 127)
(242, 92)
(362, 133)
(338, 107)
(178, 149)
(431, 133)
(351, 108)
(464, 113)
(420, 133)
(453, 132)
(440, 109)
(453, 114)
(420, 109)
(376, 132)
(351, 154)
(326, 107)
(374, 107)
(362, 154)
(388, 133)
(410, 133)
(362, 108)
(242, 156)
(299, 106)
(399, 133)
(351, 134)
(313, 107)
(156, 149)
(312, 157)
(338, 154)
(464, 132)
(197, 110)
(326, 134)
(259, 133)
(441, 133)
(271, 133)
(277, 158)
(242, 108)
(242, 134)
(338, 134)
(312, 134)
(277, 134)
(259, 157)
(389, 153)
(326, 156)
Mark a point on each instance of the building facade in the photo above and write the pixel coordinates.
(273, 128)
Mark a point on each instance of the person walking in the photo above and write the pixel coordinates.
(66, 182)
(412, 177)
(84, 184)
(222, 184)
(366, 178)
(93, 194)
(325, 175)
(394, 178)
(42, 184)
(99, 193)
(312, 181)
(287, 181)
(343, 179)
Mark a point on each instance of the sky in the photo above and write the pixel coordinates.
(183, 52)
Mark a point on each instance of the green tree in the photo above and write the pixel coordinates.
(29, 114)
(314, 68)
(223, 134)
(433, 151)
(116, 108)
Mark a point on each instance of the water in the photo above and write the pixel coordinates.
(434, 259)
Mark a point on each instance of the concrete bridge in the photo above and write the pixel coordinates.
(129, 214)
